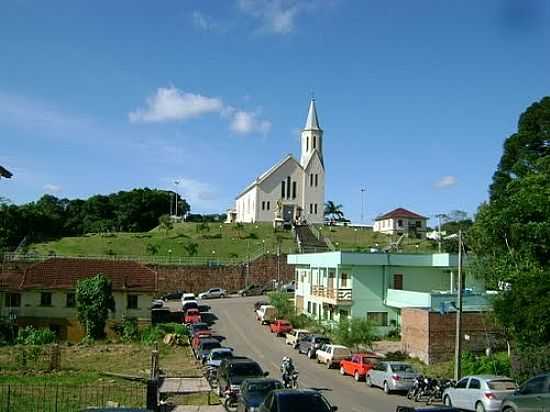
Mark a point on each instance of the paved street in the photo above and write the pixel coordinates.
(236, 321)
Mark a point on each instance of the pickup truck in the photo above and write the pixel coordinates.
(280, 327)
(358, 365)
(295, 336)
(331, 355)
(311, 344)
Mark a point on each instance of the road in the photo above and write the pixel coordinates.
(237, 323)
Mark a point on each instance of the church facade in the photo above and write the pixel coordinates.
(291, 190)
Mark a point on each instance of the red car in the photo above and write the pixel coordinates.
(280, 327)
(358, 365)
(192, 316)
(196, 340)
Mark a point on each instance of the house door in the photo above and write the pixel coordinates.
(288, 213)
(398, 281)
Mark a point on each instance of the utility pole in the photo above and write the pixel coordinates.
(439, 216)
(363, 190)
(278, 269)
(458, 332)
(176, 183)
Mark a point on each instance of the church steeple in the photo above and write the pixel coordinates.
(312, 135)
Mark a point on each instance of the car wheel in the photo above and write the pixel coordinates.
(508, 409)
(357, 376)
(368, 380)
(342, 371)
(387, 390)
(222, 296)
(480, 407)
(447, 402)
(329, 364)
(310, 354)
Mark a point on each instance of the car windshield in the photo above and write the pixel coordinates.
(322, 341)
(402, 367)
(311, 402)
(502, 385)
(200, 326)
(222, 355)
(368, 359)
(210, 345)
(245, 369)
(263, 387)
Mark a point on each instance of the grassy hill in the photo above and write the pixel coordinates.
(213, 240)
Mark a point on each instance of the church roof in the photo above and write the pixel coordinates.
(312, 121)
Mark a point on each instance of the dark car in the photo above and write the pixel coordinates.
(172, 296)
(254, 391)
(191, 304)
(198, 327)
(205, 346)
(233, 371)
(533, 395)
(310, 344)
(291, 400)
(251, 290)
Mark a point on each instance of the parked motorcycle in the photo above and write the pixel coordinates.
(426, 389)
(416, 387)
(212, 376)
(437, 392)
(231, 400)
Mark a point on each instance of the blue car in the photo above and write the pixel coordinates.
(254, 391)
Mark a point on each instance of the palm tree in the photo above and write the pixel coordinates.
(334, 211)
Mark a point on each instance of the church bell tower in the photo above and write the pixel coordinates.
(312, 136)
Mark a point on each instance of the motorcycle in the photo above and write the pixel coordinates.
(416, 387)
(291, 382)
(426, 389)
(439, 388)
(231, 400)
(212, 376)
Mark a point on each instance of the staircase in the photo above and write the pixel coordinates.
(307, 241)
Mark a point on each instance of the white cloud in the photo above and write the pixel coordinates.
(203, 22)
(247, 122)
(50, 188)
(276, 16)
(170, 104)
(445, 182)
(200, 195)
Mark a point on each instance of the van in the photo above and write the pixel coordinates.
(266, 314)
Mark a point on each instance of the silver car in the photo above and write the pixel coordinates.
(480, 393)
(212, 293)
(392, 376)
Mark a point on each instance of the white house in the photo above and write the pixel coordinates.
(291, 189)
(401, 221)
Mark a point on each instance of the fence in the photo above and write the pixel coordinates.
(69, 398)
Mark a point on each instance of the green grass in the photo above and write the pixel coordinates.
(220, 241)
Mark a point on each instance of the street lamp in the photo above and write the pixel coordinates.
(176, 183)
(363, 190)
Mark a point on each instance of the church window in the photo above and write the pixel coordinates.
(288, 187)
(311, 208)
(307, 143)
(314, 142)
(263, 204)
(268, 204)
(316, 179)
(315, 208)
(294, 190)
(283, 189)
(311, 179)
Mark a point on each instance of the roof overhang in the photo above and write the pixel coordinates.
(334, 259)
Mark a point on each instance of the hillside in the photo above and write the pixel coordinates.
(213, 240)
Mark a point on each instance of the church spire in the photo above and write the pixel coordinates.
(312, 122)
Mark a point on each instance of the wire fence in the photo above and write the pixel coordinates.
(69, 398)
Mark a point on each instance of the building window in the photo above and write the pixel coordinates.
(13, 300)
(268, 205)
(418, 223)
(315, 208)
(314, 142)
(311, 179)
(263, 204)
(294, 190)
(398, 281)
(283, 189)
(45, 299)
(311, 208)
(309, 307)
(316, 179)
(71, 300)
(378, 318)
(132, 301)
(288, 187)
(400, 223)
(307, 143)
(344, 277)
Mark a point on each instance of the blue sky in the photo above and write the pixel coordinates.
(415, 97)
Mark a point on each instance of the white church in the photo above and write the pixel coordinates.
(290, 190)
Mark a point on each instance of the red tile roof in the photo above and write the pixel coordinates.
(11, 280)
(63, 273)
(400, 212)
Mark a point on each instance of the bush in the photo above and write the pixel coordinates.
(497, 364)
(151, 335)
(127, 329)
(396, 356)
(175, 328)
(354, 332)
(31, 336)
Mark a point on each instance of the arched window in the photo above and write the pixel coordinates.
(315, 142)
(307, 143)
(283, 189)
(294, 190)
(288, 187)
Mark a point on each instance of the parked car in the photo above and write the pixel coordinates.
(259, 304)
(197, 327)
(280, 327)
(251, 290)
(295, 336)
(198, 337)
(217, 355)
(392, 376)
(233, 371)
(205, 346)
(203, 307)
(212, 293)
(266, 314)
(311, 344)
(331, 355)
(187, 296)
(157, 303)
(479, 393)
(426, 409)
(533, 395)
(172, 296)
(189, 304)
(254, 391)
(291, 400)
(192, 316)
(358, 365)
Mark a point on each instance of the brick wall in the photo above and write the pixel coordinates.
(430, 336)
(200, 278)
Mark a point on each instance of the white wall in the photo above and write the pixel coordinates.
(314, 194)
(246, 206)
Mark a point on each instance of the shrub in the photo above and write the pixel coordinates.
(176, 328)
(127, 329)
(396, 356)
(151, 335)
(31, 336)
(497, 364)
(354, 332)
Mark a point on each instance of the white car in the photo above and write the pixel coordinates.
(187, 296)
(480, 393)
(331, 355)
(212, 293)
(266, 314)
(293, 337)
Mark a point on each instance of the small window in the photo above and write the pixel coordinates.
(311, 208)
(283, 189)
(263, 204)
(462, 384)
(268, 205)
(378, 318)
(45, 299)
(288, 187)
(294, 190)
(314, 142)
(400, 223)
(398, 281)
(309, 307)
(307, 144)
(418, 223)
(13, 300)
(71, 300)
(311, 179)
(316, 180)
(315, 208)
(474, 384)
(132, 302)
(344, 277)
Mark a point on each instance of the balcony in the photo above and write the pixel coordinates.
(437, 300)
(332, 295)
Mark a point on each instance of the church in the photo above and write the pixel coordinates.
(291, 190)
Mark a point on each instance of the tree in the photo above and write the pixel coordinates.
(94, 300)
(354, 332)
(166, 223)
(511, 233)
(152, 249)
(334, 211)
